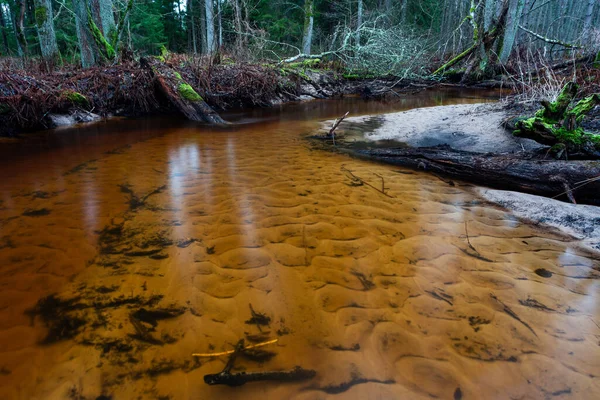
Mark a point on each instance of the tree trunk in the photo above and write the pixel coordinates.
(240, 38)
(308, 26)
(191, 26)
(87, 46)
(587, 23)
(359, 21)
(4, 34)
(210, 26)
(219, 25)
(489, 13)
(512, 27)
(20, 26)
(102, 13)
(45, 29)
(484, 62)
(202, 16)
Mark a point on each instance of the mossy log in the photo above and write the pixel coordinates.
(557, 125)
(181, 94)
(505, 171)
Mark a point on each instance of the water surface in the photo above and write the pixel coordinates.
(157, 235)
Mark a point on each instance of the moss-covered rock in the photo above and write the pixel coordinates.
(76, 98)
(188, 92)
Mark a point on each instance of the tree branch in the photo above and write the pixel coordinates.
(548, 40)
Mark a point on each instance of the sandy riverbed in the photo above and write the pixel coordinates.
(474, 128)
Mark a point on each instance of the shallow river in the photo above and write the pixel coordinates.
(127, 246)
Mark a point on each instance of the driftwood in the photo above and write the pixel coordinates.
(542, 177)
(180, 93)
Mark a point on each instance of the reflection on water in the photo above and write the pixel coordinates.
(156, 236)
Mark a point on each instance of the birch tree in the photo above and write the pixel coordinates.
(359, 21)
(308, 26)
(210, 26)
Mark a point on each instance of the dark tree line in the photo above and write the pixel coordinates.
(396, 36)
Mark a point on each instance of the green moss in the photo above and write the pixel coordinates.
(188, 93)
(106, 49)
(584, 106)
(76, 98)
(177, 75)
(310, 63)
(41, 14)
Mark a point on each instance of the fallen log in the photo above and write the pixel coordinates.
(180, 93)
(505, 171)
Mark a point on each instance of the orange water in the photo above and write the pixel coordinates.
(424, 291)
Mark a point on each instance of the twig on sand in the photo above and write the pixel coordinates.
(335, 125)
(362, 181)
(224, 353)
(511, 313)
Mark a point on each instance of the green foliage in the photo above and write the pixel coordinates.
(148, 27)
(188, 93)
(4, 108)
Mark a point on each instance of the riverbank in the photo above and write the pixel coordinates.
(44, 101)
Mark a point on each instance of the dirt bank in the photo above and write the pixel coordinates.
(43, 101)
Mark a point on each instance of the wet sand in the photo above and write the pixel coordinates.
(155, 249)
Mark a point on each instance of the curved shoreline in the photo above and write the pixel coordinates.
(466, 142)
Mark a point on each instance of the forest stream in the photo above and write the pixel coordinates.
(128, 245)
